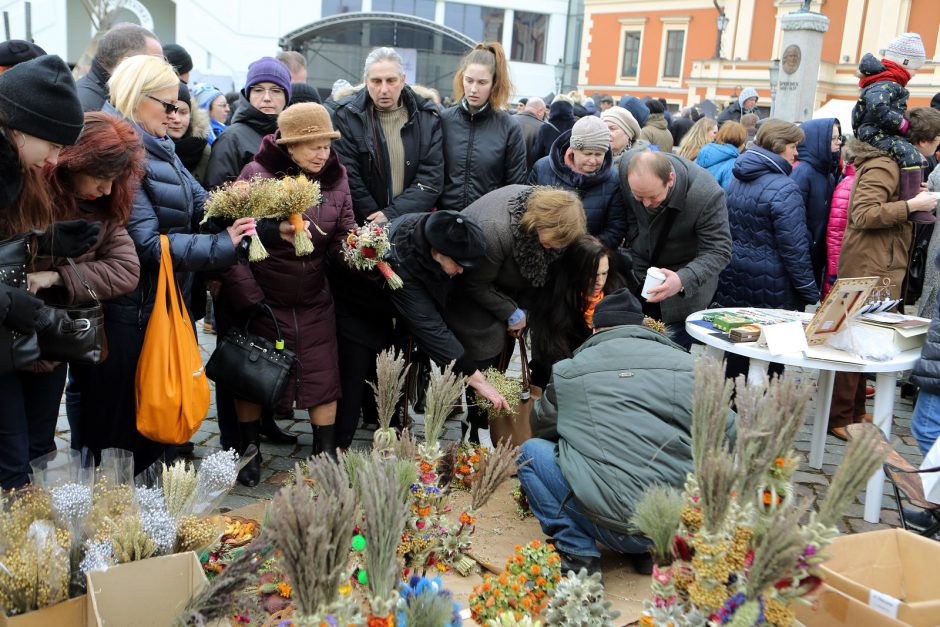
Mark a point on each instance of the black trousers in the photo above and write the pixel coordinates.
(30, 408)
(356, 369)
(108, 414)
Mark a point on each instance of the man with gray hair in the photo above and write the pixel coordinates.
(122, 41)
(392, 146)
(391, 143)
(530, 120)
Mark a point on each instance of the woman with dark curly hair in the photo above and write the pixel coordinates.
(562, 315)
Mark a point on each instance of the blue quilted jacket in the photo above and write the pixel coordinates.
(770, 262)
(169, 202)
(718, 159)
(815, 174)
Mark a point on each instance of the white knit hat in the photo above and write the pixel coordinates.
(907, 50)
(589, 133)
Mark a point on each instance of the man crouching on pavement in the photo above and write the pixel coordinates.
(614, 420)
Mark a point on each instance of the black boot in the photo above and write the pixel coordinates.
(248, 434)
(324, 440)
(274, 433)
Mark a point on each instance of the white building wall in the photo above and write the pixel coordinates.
(224, 36)
(49, 26)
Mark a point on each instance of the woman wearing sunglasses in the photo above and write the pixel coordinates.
(170, 202)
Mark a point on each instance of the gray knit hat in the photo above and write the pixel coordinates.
(624, 119)
(590, 133)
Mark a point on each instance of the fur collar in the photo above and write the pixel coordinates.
(533, 260)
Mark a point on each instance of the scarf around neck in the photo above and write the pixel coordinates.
(893, 72)
(533, 260)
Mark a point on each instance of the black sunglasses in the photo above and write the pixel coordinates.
(169, 107)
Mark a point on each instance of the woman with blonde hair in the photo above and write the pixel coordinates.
(718, 157)
(525, 228)
(483, 147)
(169, 202)
(702, 132)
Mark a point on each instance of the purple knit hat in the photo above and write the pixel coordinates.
(268, 70)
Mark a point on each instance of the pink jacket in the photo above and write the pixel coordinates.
(838, 213)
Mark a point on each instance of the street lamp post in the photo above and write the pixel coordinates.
(774, 79)
(722, 25)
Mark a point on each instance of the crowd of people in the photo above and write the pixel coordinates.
(538, 224)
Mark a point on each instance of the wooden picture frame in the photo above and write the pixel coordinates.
(842, 302)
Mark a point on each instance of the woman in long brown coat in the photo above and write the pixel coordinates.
(877, 241)
(296, 288)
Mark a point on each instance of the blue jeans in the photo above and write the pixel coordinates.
(925, 421)
(553, 503)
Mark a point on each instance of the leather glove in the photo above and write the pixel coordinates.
(23, 309)
(69, 239)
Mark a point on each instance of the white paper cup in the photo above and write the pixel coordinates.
(654, 277)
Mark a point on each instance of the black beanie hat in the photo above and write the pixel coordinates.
(618, 308)
(17, 51)
(177, 56)
(302, 92)
(38, 97)
(184, 94)
(457, 236)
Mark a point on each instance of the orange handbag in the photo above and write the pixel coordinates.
(172, 389)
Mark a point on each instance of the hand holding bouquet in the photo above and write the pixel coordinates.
(285, 199)
(365, 247)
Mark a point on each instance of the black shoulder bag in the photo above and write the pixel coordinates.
(74, 333)
(250, 367)
(16, 349)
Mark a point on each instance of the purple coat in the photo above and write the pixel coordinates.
(295, 287)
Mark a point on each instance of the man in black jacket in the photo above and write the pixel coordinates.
(391, 143)
(122, 41)
(428, 250)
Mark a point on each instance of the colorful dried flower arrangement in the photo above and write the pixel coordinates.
(467, 461)
(364, 249)
(284, 199)
(522, 589)
(730, 548)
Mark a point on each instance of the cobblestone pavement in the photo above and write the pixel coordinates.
(280, 459)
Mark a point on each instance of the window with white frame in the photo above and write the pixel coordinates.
(672, 47)
(674, 54)
(630, 60)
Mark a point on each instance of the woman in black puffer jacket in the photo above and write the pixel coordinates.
(483, 147)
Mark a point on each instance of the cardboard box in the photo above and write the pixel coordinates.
(893, 570)
(831, 608)
(148, 593)
(69, 613)
(904, 338)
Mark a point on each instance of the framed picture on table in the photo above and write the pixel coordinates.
(843, 302)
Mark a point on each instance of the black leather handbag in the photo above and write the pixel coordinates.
(74, 333)
(250, 367)
(16, 349)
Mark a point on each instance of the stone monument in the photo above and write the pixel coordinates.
(801, 47)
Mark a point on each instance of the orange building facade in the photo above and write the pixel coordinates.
(667, 48)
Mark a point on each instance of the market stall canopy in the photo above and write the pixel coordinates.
(839, 109)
